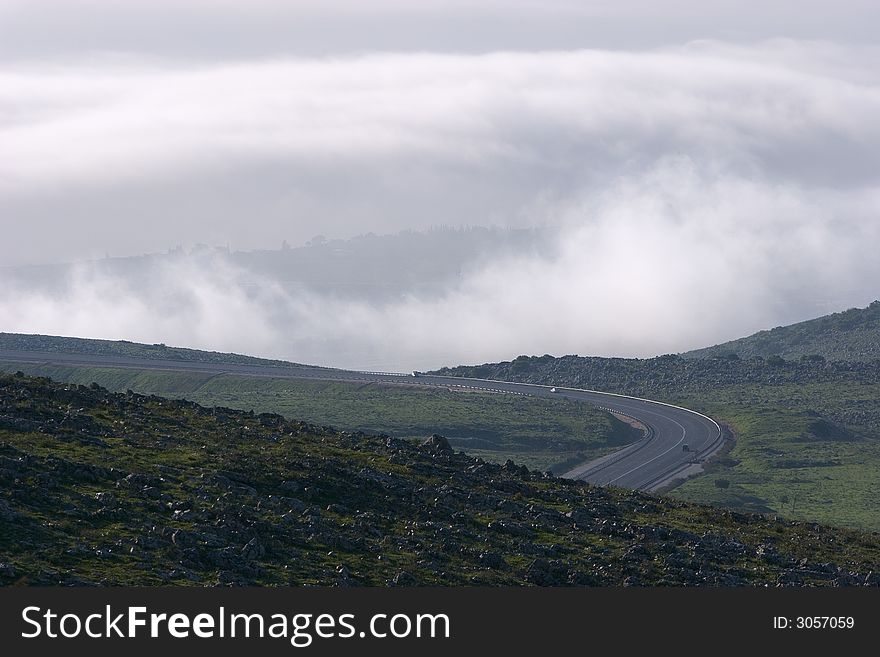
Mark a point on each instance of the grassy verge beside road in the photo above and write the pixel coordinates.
(809, 452)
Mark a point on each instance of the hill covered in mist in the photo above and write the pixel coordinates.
(369, 267)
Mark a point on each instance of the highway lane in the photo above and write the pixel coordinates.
(675, 440)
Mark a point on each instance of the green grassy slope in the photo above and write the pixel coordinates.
(102, 488)
(540, 433)
(850, 335)
(809, 452)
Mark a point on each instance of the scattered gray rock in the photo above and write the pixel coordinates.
(107, 499)
(403, 578)
(291, 486)
(253, 550)
(437, 444)
(493, 560)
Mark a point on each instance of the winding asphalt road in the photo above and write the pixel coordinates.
(675, 439)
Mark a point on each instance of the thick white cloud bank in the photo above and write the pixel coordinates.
(702, 192)
(761, 109)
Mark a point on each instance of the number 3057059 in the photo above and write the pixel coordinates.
(824, 622)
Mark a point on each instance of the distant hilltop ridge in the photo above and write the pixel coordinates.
(839, 348)
(851, 335)
(125, 349)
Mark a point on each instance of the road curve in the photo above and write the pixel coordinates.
(675, 441)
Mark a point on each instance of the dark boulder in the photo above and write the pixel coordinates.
(437, 444)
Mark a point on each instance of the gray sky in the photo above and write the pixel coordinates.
(714, 165)
(232, 29)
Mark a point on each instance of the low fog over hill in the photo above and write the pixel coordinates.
(411, 300)
(373, 268)
(314, 301)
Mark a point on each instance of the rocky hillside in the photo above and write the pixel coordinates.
(851, 335)
(103, 488)
(657, 377)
